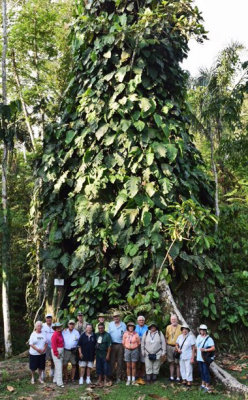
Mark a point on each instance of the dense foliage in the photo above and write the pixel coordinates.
(123, 182)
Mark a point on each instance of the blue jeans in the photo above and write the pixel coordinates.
(102, 366)
(204, 371)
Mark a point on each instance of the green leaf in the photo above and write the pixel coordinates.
(125, 124)
(101, 131)
(120, 75)
(145, 104)
(132, 186)
(139, 125)
(149, 158)
(212, 298)
(205, 301)
(158, 120)
(147, 218)
(171, 152)
(213, 309)
(70, 136)
(159, 148)
(125, 262)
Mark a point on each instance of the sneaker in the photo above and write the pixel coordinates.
(41, 380)
(128, 383)
(62, 386)
(81, 381)
(32, 381)
(88, 381)
(202, 387)
(171, 379)
(178, 380)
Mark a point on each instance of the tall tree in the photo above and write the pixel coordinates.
(5, 214)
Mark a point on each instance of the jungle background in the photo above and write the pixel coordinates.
(207, 230)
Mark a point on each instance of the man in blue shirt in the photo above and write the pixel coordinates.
(141, 328)
(116, 331)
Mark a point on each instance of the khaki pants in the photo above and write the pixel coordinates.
(58, 367)
(116, 356)
(152, 367)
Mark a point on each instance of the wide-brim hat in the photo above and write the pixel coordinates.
(153, 324)
(185, 327)
(202, 327)
(80, 313)
(56, 325)
(71, 322)
(116, 314)
(101, 315)
(131, 323)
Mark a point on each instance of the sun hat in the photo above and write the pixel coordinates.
(185, 327)
(71, 322)
(153, 324)
(101, 315)
(56, 325)
(203, 327)
(116, 314)
(79, 313)
(49, 316)
(131, 323)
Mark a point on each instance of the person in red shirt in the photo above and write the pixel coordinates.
(58, 353)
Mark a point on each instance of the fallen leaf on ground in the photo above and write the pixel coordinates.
(156, 396)
(243, 377)
(244, 357)
(235, 368)
(10, 388)
(141, 397)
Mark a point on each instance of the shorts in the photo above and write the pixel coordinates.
(170, 354)
(37, 362)
(69, 357)
(131, 355)
(102, 366)
(83, 364)
(48, 354)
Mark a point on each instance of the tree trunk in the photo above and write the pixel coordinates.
(224, 377)
(215, 173)
(5, 223)
(24, 107)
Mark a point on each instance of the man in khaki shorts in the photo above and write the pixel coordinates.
(171, 334)
(71, 337)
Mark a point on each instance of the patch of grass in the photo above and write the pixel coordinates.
(22, 387)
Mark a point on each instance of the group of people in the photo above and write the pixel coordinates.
(143, 348)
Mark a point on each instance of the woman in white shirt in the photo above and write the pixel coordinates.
(185, 346)
(37, 351)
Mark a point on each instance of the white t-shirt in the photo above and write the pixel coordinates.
(48, 331)
(70, 338)
(38, 340)
(199, 344)
(187, 346)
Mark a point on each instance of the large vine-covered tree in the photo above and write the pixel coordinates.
(125, 203)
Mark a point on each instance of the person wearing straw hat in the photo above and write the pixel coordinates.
(185, 347)
(204, 344)
(48, 331)
(37, 351)
(131, 343)
(153, 348)
(81, 324)
(71, 337)
(116, 331)
(58, 353)
(101, 320)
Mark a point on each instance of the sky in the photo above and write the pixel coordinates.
(226, 21)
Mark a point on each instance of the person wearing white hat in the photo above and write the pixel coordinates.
(185, 347)
(71, 337)
(116, 331)
(48, 331)
(204, 344)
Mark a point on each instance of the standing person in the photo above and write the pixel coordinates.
(116, 331)
(71, 337)
(37, 351)
(204, 345)
(48, 331)
(131, 344)
(58, 353)
(172, 332)
(101, 320)
(81, 323)
(103, 349)
(141, 328)
(185, 346)
(153, 347)
(87, 349)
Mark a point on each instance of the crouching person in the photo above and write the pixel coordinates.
(131, 343)
(185, 347)
(103, 349)
(153, 347)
